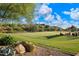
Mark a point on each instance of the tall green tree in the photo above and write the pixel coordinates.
(12, 11)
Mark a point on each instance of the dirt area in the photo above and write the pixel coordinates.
(77, 54)
(40, 51)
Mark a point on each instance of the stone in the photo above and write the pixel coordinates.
(6, 51)
(20, 49)
(28, 46)
(23, 47)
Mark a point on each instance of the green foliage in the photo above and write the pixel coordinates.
(11, 28)
(12, 11)
(6, 40)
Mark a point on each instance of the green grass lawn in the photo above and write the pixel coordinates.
(65, 44)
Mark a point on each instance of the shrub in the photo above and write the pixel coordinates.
(6, 40)
(17, 29)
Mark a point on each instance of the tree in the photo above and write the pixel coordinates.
(14, 11)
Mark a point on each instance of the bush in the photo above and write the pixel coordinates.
(6, 40)
(18, 29)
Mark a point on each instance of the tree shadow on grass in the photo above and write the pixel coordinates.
(53, 36)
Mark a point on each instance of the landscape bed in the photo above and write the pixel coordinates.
(66, 44)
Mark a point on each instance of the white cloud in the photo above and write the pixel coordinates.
(49, 17)
(60, 22)
(66, 24)
(74, 13)
(44, 9)
(54, 23)
(76, 24)
(40, 23)
(66, 12)
(59, 19)
(36, 17)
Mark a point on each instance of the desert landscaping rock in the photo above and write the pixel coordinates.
(7, 51)
(40, 51)
(23, 47)
(28, 47)
(20, 49)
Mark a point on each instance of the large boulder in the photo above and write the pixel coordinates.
(23, 47)
(28, 46)
(20, 49)
(7, 51)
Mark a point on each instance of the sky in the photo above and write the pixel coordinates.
(63, 15)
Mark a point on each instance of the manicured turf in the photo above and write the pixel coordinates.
(67, 44)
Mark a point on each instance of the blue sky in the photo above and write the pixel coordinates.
(57, 14)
